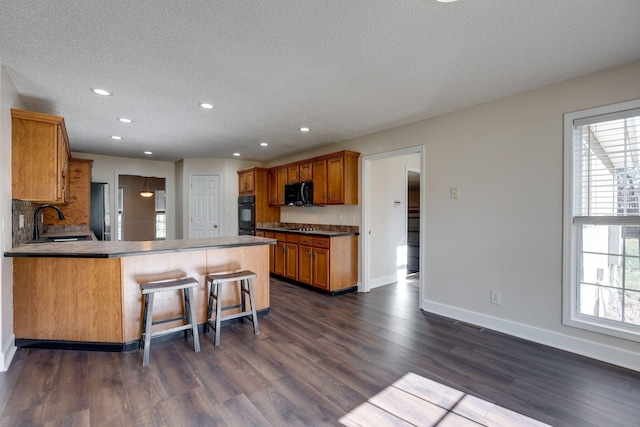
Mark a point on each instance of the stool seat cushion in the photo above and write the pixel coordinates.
(168, 285)
(231, 277)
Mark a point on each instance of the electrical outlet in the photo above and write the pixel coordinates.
(455, 193)
(21, 221)
(496, 297)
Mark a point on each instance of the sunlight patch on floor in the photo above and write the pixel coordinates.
(418, 401)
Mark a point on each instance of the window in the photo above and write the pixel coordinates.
(601, 281)
(120, 213)
(161, 214)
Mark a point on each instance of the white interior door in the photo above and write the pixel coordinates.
(204, 204)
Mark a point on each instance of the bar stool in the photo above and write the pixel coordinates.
(245, 277)
(149, 289)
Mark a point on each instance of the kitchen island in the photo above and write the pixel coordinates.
(86, 294)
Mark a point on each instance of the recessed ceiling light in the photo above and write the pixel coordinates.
(446, 1)
(206, 106)
(116, 137)
(304, 129)
(236, 154)
(101, 92)
(264, 144)
(123, 120)
(148, 152)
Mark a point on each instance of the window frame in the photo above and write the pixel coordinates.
(570, 278)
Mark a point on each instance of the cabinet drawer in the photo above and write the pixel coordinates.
(321, 242)
(292, 238)
(281, 237)
(305, 240)
(269, 234)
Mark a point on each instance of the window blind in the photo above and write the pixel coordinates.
(606, 170)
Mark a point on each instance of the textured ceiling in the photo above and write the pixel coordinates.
(343, 68)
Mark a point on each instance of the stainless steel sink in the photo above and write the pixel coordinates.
(61, 239)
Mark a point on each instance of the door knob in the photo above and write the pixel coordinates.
(215, 226)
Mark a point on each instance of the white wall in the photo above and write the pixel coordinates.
(9, 98)
(107, 169)
(505, 231)
(388, 222)
(227, 170)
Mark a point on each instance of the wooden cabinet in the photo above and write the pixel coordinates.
(342, 179)
(293, 174)
(320, 182)
(277, 179)
(39, 157)
(78, 206)
(256, 182)
(313, 263)
(328, 263)
(291, 257)
(306, 171)
(279, 255)
(334, 176)
(246, 182)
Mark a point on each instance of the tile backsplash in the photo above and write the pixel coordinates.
(26, 208)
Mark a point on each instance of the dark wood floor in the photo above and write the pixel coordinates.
(316, 359)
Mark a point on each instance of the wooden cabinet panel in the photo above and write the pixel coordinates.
(306, 171)
(39, 157)
(293, 174)
(305, 264)
(335, 181)
(320, 182)
(273, 187)
(291, 262)
(281, 175)
(272, 250)
(246, 182)
(279, 255)
(77, 209)
(321, 268)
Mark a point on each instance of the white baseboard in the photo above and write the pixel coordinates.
(604, 353)
(8, 351)
(382, 281)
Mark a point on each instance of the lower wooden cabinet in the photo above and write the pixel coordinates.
(328, 263)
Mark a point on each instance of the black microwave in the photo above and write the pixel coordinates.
(298, 194)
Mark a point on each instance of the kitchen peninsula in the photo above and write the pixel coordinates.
(86, 294)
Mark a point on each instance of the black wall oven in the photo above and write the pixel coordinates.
(246, 215)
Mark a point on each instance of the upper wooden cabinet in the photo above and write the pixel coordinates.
(246, 182)
(293, 173)
(257, 181)
(306, 171)
(78, 205)
(39, 157)
(277, 179)
(342, 180)
(334, 176)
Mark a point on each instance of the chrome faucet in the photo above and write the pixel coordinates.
(36, 232)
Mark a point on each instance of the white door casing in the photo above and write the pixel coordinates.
(204, 206)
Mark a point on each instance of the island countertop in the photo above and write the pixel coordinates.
(119, 249)
(86, 294)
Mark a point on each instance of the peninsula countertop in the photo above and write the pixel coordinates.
(113, 249)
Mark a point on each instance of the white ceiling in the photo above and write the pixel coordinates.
(345, 68)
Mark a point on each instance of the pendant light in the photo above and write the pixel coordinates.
(146, 188)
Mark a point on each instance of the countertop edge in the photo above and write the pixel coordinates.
(58, 251)
(318, 233)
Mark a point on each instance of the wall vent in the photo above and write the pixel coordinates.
(469, 326)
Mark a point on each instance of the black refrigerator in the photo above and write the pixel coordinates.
(100, 213)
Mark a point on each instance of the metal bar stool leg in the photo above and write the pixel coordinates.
(254, 316)
(218, 314)
(147, 330)
(191, 319)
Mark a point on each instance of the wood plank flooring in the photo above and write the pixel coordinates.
(317, 361)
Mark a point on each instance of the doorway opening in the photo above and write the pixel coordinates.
(385, 200)
(141, 218)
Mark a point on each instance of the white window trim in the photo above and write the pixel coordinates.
(570, 315)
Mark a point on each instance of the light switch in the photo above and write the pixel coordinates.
(455, 193)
